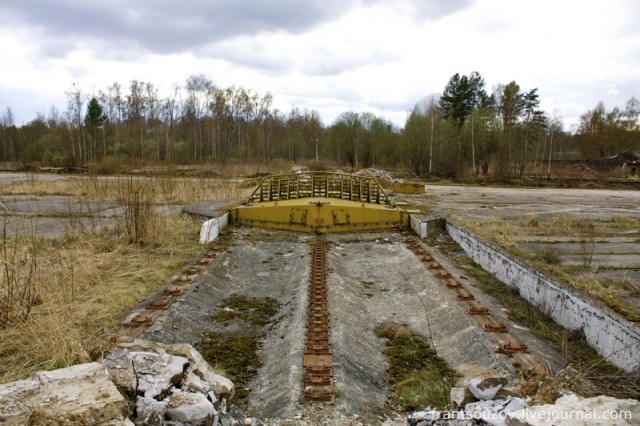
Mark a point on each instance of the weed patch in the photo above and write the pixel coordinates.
(238, 357)
(249, 309)
(419, 378)
(237, 351)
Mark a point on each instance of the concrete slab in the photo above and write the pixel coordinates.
(51, 205)
(601, 247)
(620, 261)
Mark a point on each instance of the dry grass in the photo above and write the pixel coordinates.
(585, 232)
(83, 284)
(168, 190)
(496, 230)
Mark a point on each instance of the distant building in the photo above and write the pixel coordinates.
(631, 168)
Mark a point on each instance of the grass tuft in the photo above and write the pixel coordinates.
(419, 377)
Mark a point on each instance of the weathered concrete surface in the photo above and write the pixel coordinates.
(378, 279)
(56, 215)
(626, 246)
(373, 278)
(78, 395)
(518, 203)
(260, 264)
(212, 208)
(621, 261)
(611, 335)
(516, 206)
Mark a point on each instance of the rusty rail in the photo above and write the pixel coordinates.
(317, 362)
(144, 317)
(508, 344)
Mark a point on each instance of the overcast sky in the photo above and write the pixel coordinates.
(333, 56)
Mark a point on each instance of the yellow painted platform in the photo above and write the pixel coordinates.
(320, 214)
(320, 202)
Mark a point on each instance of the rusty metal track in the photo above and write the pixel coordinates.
(508, 344)
(317, 379)
(142, 318)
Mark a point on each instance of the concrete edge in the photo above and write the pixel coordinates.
(211, 228)
(612, 336)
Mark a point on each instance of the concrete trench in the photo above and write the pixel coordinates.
(373, 278)
(614, 337)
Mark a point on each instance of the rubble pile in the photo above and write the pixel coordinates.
(147, 383)
(485, 402)
(379, 174)
(138, 383)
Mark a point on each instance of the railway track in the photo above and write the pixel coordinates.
(317, 379)
(508, 344)
(143, 317)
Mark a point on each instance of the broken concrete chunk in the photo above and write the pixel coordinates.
(486, 389)
(150, 411)
(119, 363)
(190, 407)
(461, 396)
(493, 412)
(197, 364)
(220, 384)
(17, 399)
(125, 422)
(157, 373)
(81, 394)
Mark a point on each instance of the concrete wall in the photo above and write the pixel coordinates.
(611, 335)
(423, 225)
(212, 228)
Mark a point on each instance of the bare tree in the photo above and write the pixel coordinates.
(75, 102)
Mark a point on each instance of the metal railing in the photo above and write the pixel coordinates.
(319, 184)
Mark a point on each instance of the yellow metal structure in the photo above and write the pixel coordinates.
(409, 188)
(320, 202)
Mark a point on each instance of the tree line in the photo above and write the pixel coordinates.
(468, 130)
(465, 131)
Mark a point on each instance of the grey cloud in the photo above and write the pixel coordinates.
(315, 61)
(164, 26)
(431, 10)
(435, 9)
